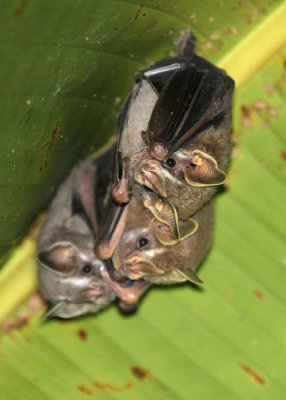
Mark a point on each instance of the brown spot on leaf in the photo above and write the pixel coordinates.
(259, 105)
(139, 373)
(56, 131)
(19, 10)
(283, 155)
(272, 112)
(152, 24)
(128, 385)
(83, 389)
(9, 325)
(232, 30)
(106, 386)
(258, 294)
(257, 378)
(284, 70)
(138, 11)
(48, 145)
(215, 35)
(246, 116)
(31, 307)
(246, 19)
(255, 12)
(269, 88)
(82, 334)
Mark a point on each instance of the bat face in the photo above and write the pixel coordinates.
(147, 248)
(70, 279)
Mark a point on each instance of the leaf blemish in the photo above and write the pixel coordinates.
(106, 386)
(82, 334)
(152, 24)
(283, 155)
(257, 378)
(258, 294)
(48, 145)
(83, 389)
(246, 116)
(139, 12)
(139, 373)
(18, 12)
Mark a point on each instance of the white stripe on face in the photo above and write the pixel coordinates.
(154, 252)
(174, 179)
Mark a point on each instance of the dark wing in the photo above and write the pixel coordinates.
(191, 98)
(158, 76)
(83, 196)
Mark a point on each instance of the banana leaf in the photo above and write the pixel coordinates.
(66, 69)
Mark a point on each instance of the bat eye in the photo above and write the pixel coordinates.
(170, 162)
(142, 242)
(86, 269)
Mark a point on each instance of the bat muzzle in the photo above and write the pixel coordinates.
(137, 267)
(149, 174)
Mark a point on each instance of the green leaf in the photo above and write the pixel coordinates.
(224, 341)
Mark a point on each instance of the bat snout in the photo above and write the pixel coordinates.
(149, 174)
(137, 267)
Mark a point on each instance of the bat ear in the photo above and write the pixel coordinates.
(52, 311)
(163, 233)
(60, 258)
(203, 170)
(190, 276)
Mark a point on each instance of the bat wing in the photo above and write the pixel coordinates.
(190, 99)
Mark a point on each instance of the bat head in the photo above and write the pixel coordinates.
(147, 248)
(139, 253)
(70, 280)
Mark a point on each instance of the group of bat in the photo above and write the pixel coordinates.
(142, 212)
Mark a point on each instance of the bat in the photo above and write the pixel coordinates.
(147, 249)
(174, 134)
(71, 277)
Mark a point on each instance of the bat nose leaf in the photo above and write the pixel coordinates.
(150, 175)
